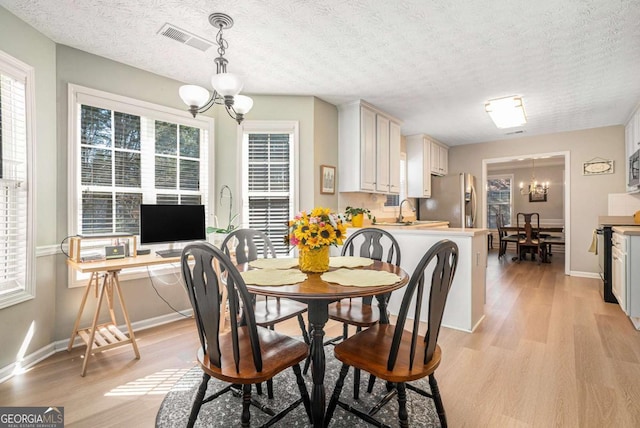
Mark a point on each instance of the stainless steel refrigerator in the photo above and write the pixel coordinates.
(453, 199)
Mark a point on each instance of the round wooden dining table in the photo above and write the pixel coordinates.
(318, 294)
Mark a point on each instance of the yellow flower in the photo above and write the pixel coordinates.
(318, 229)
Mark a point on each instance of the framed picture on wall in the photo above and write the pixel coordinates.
(537, 197)
(327, 179)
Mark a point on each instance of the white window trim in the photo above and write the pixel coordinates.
(78, 95)
(396, 208)
(498, 176)
(270, 127)
(22, 71)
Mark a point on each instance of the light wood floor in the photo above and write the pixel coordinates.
(549, 353)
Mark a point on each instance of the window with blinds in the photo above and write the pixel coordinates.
(394, 200)
(16, 241)
(130, 153)
(269, 182)
(499, 199)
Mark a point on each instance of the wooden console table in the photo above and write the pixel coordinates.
(100, 337)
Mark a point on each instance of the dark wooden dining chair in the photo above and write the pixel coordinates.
(246, 354)
(249, 245)
(503, 237)
(529, 240)
(372, 243)
(397, 355)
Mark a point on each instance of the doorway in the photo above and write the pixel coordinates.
(529, 163)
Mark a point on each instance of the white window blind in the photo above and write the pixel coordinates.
(269, 182)
(499, 199)
(16, 248)
(131, 154)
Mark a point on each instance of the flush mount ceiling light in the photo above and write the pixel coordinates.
(506, 112)
(226, 86)
(534, 187)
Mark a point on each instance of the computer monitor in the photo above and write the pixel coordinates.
(171, 223)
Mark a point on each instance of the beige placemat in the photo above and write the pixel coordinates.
(349, 262)
(273, 276)
(360, 278)
(284, 263)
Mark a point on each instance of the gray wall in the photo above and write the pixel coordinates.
(588, 193)
(553, 207)
(325, 118)
(55, 307)
(24, 43)
(81, 68)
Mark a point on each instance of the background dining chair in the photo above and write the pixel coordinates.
(246, 354)
(503, 237)
(376, 244)
(398, 355)
(528, 225)
(249, 245)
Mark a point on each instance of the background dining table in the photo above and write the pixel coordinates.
(557, 239)
(318, 294)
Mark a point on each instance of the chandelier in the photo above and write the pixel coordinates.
(226, 86)
(534, 187)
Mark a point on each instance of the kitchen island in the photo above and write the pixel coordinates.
(465, 305)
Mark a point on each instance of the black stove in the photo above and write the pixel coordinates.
(605, 234)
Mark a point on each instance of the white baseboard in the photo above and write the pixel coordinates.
(585, 274)
(34, 358)
(27, 362)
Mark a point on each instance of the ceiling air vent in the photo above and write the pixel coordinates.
(515, 132)
(184, 37)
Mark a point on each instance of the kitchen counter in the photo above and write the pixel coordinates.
(433, 230)
(627, 230)
(418, 225)
(610, 220)
(465, 304)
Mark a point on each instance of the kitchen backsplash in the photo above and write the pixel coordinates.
(374, 202)
(623, 204)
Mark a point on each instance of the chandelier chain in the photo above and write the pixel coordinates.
(223, 45)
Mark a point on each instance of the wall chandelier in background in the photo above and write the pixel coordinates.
(227, 86)
(534, 188)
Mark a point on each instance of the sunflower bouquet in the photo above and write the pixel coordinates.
(319, 229)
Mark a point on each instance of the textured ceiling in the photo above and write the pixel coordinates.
(432, 63)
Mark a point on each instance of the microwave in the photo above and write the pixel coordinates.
(634, 169)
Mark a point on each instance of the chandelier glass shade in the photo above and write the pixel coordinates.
(226, 86)
(534, 187)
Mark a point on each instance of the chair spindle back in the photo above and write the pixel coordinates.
(249, 241)
(446, 254)
(370, 243)
(204, 285)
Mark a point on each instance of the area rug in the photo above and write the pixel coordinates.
(225, 411)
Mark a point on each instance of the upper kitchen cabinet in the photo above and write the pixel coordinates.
(632, 141)
(369, 149)
(418, 166)
(439, 158)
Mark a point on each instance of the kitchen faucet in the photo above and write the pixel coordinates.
(400, 218)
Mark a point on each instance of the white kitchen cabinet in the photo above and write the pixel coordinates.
(368, 141)
(382, 154)
(625, 282)
(439, 158)
(636, 130)
(632, 141)
(395, 138)
(418, 166)
(619, 269)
